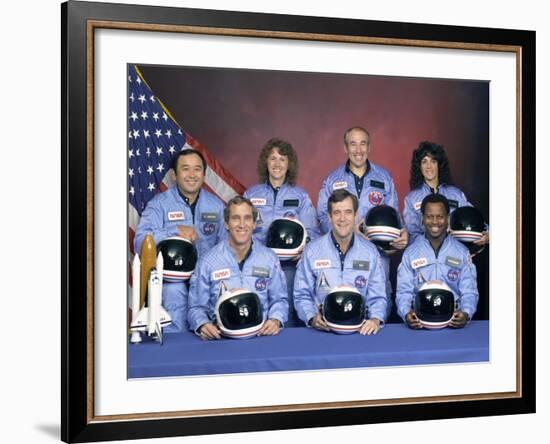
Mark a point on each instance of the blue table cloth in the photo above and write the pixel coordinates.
(301, 348)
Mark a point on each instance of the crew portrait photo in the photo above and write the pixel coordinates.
(286, 221)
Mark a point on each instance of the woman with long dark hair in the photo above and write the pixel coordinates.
(430, 173)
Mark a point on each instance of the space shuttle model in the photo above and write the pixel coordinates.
(147, 315)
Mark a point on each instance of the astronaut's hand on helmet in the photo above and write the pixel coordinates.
(412, 320)
(361, 229)
(187, 232)
(483, 240)
(209, 331)
(401, 242)
(319, 323)
(271, 327)
(370, 327)
(459, 319)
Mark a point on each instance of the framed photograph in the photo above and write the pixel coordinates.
(228, 82)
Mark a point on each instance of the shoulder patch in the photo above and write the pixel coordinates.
(417, 205)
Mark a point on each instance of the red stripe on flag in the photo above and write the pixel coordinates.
(225, 175)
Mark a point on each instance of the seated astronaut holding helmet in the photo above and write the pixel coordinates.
(185, 211)
(243, 269)
(436, 280)
(286, 216)
(339, 265)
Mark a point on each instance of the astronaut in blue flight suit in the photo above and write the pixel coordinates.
(184, 210)
(437, 256)
(237, 262)
(341, 257)
(370, 183)
(276, 196)
(430, 173)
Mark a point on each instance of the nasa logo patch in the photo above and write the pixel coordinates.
(208, 228)
(452, 275)
(339, 185)
(360, 282)
(176, 215)
(261, 284)
(256, 201)
(376, 197)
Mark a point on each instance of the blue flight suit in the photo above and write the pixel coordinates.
(286, 201)
(322, 266)
(377, 189)
(452, 265)
(413, 200)
(160, 218)
(261, 273)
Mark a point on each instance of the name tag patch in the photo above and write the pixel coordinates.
(453, 203)
(452, 261)
(339, 185)
(291, 203)
(260, 272)
(210, 217)
(258, 202)
(221, 274)
(417, 263)
(377, 184)
(176, 215)
(322, 263)
(361, 265)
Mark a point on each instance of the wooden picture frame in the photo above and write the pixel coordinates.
(80, 21)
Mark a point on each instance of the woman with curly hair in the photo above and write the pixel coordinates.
(277, 196)
(430, 173)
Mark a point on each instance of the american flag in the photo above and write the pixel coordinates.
(154, 138)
